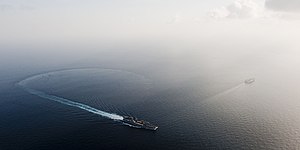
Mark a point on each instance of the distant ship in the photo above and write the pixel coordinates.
(249, 81)
(134, 122)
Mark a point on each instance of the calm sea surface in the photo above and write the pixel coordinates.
(195, 106)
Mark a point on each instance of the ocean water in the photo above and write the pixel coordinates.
(195, 106)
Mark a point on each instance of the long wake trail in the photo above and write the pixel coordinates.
(222, 93)
(71, 103)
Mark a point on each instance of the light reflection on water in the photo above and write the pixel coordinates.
(195, 106)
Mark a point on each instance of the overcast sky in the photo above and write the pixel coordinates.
(34, 20)
(283, 5)
(66, 28)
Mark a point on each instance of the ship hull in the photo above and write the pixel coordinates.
(140, 124)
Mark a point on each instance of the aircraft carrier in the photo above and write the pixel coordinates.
(134, 122)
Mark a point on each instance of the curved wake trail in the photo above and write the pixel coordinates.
(71, 103)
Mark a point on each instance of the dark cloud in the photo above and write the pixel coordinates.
(283, 5)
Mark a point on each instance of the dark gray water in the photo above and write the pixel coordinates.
(197, 103)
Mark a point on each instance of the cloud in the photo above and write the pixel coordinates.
(283, 5)
(26, 7)
(239, 9)
(15, 7)
(5, 7)
(175, 19)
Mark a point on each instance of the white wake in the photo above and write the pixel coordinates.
(71, 103)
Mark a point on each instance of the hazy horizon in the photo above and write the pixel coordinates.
(181, 64)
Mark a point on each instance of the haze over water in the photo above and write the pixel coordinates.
(181, 67)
